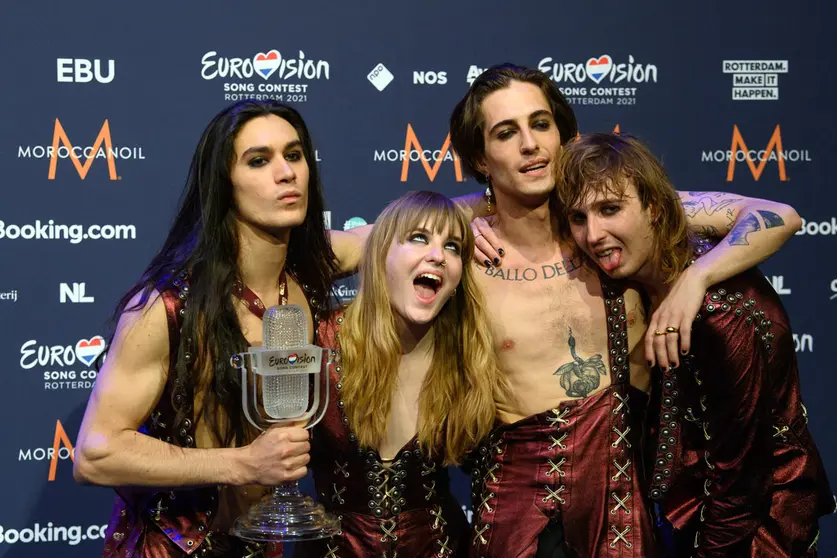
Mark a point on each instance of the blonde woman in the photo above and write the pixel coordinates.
(412, 391)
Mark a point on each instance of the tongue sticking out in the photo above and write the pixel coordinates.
(611, 261)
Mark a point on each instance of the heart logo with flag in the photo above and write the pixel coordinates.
(87, 350)
(598, 68)
(266, 64)
(292, 358)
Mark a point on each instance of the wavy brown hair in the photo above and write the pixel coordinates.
(605, 164)
(456, 404)
(467, 122)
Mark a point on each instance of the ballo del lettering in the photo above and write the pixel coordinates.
(547, 271)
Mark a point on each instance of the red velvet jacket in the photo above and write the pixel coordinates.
(736, 471)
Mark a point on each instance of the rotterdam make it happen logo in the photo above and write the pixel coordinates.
(278, 77)
(82, 155)
(754, 157)
(415, 153)
(755, 80)
(60, 450)
(64, 367)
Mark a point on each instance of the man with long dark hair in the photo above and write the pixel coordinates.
(735, 468)
(559, 476)
(165, 424)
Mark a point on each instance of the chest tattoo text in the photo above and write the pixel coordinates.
(548, 271)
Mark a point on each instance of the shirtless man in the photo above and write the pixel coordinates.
(558, 477)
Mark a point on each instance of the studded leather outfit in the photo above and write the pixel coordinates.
(402, 509)
(578, 464)
(736, 471)
(149, 523)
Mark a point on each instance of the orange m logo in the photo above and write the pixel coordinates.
(59, 136)
(773, 146)
(412, 143)
(60, 438)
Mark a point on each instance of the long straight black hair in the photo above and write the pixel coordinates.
(202, 246)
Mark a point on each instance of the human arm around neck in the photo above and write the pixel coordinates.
(752, 230)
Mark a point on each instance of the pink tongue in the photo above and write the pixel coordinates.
(610, 262)
(424, 291)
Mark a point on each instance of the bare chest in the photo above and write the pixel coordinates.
(549, 325)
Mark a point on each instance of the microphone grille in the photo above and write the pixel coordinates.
(284, 327)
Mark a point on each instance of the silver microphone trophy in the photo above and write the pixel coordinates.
(285, 381)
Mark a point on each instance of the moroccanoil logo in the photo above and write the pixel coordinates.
(757, 159)
(431, 159)
(61, 450)
(81, 156)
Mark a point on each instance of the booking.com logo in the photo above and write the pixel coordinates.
(74, 233)
(50, 533)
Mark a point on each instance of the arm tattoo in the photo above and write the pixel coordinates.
(770, 219)
(706, 203)
(580, 377)
(738, 235)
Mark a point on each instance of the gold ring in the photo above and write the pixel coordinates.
(659, 332)
(671, 329)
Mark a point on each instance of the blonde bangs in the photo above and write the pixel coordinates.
(434, 214)
(456, 406)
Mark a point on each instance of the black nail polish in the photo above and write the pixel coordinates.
(663, 368)
(501, 252)
(684, 352)
(496, 261)
(650, 364)
(673, 365)
(487, 263)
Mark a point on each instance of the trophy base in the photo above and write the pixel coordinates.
(286, 517)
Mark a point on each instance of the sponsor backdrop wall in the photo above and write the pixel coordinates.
(735, 97)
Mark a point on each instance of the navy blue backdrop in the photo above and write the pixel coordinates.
(733, 96)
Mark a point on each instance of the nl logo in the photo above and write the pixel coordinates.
(75, 293)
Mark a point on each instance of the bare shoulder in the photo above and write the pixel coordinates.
(142, 330)
(134, 374)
